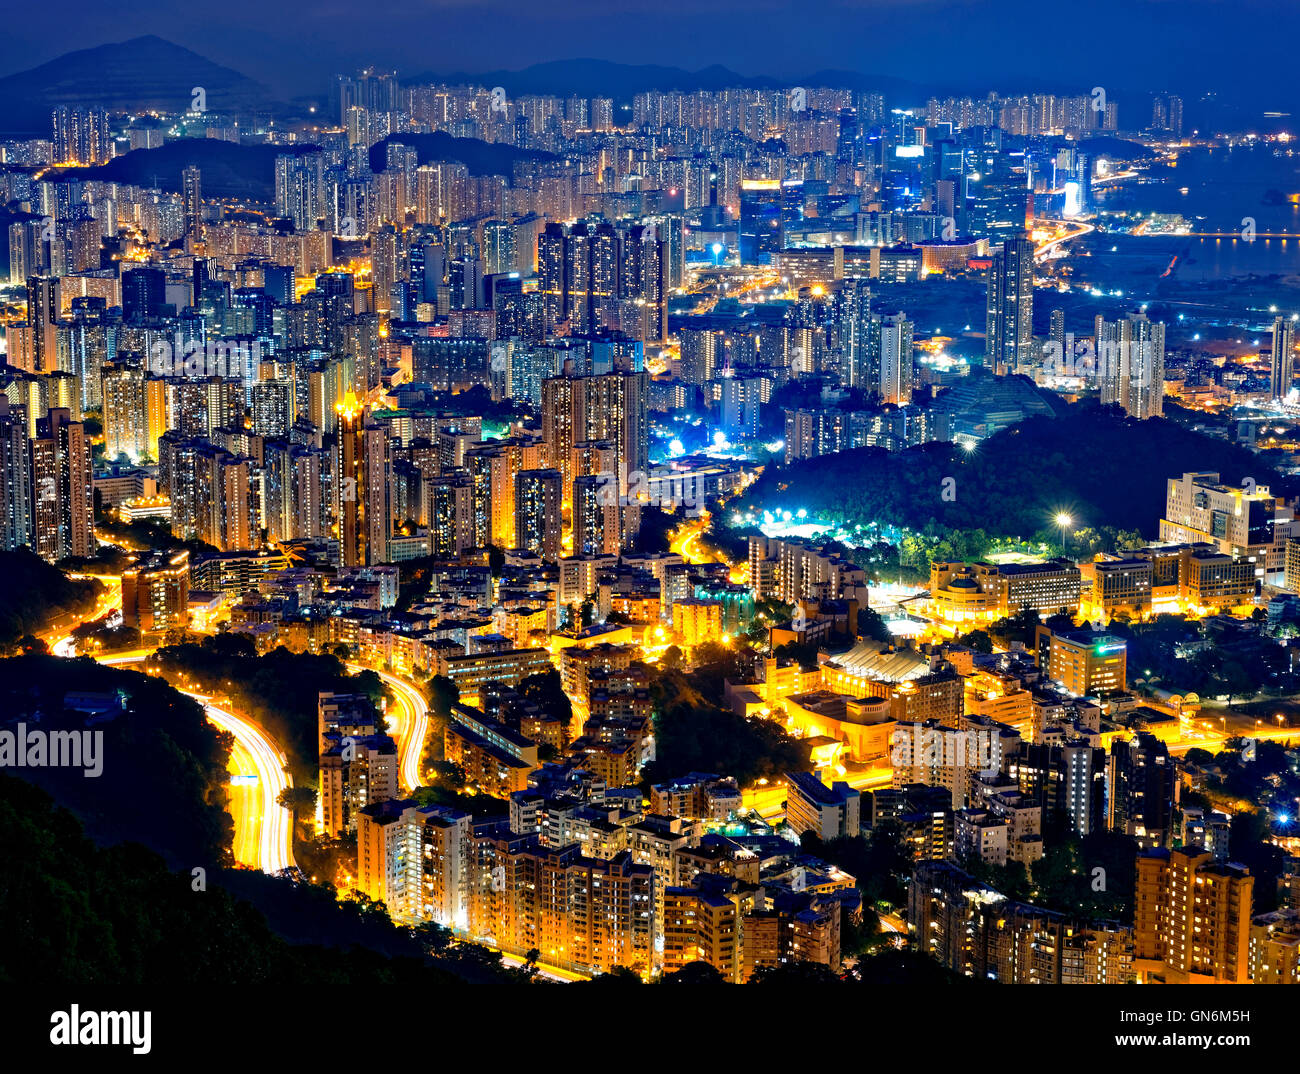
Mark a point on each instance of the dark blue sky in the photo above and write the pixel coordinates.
(1242, 47)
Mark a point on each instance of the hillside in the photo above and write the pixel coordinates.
(481, 158)
(229, 170)
(1098, 465)
(142, 74)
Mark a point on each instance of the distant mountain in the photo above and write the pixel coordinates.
(603, 78)
(143, 74)
(481, 158)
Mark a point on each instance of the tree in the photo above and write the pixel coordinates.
(796, 973)
(297, 800)
(694, 973)
(443, 693)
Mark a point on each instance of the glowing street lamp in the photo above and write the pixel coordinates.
(1063, 520)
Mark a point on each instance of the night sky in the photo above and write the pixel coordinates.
(1244, 48)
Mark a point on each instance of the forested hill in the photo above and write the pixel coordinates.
(1095, 463)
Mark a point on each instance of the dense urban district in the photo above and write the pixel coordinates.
(737, 534)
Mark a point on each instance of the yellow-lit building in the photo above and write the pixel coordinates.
(697, 621)
(156, 593)
(1088, 663)
(1192, 918)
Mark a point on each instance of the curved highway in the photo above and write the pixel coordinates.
(263, 827)
(408, 721)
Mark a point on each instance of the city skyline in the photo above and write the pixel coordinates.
(611, 526)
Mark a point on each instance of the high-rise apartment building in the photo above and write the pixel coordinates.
(1131, 364)
(1192, 917)
(1009, 320)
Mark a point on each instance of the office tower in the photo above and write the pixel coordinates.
(1192, 918)
(762, 229)
(1239, 520)
(1131, 364)
(362, 492)
(126, 427)
(155, 592)
(1141, 780)
(539, 502)
(192, 194)
(43, 320)
(894, 354)
(1088, 663)
(1009, 320)
(61, 487)
(1282, 363)
(15, 477)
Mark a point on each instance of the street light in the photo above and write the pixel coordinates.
(1063, 520)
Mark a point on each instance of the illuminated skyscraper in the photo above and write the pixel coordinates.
(1009, 320)
(1131, 364)
(125, 413)
(362, 493)
(61, 487)
(538, 512)
(893, 351)
(762, 231)
(15, 477)
(192, 193)
(43, 319)
(1282, 364)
